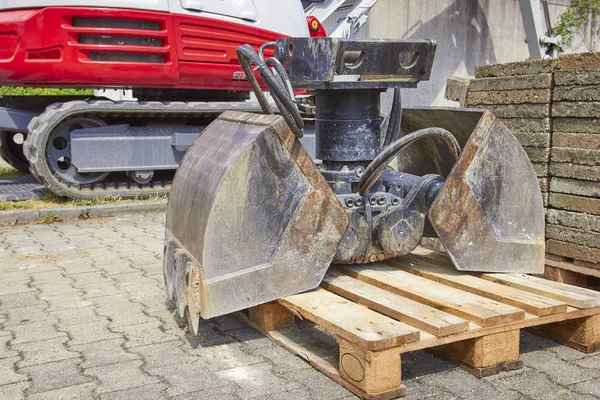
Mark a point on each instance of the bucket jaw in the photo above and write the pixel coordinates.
(250, 219)
(489, 213)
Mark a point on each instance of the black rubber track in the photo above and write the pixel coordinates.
(41, 126)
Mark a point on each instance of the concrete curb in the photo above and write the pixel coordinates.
(12, 217)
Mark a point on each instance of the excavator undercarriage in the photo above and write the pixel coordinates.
(253, 218)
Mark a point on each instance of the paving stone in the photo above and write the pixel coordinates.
(590, 387)
(147, 392)
(83, 391)
(585, 206)
(577, 156)
(35, 331)
(75, 316)
(186, 378)
(572, 235)
(121, 311)
(415, 390)
(86, 278)
(576, 187)
(533, 139)
(574, 220)
(573, 250)
(557, 371)
(221, 392)
(35, 353)
(296, 394)
(102, 289)
(90, 332)
(28, 314)
(227, 356)
(124, 375)
(56, 288)
(78, 267)
(7, 288)
(319, 386)
(467, 385)
(584, 93)
(249, 337)
(8, 374)
(68, 301)
(539, 96)
(418, 364)
(15, 391)
(519, 110)
(576, 125)
(257, 380)
(137, 291)
(568, 354)
(104, 352)
(55, 375)
(575, 171)
(522, 82)
(577, 77)
(144, 334)
(5, 351)
(163, 354)
(529, 67)
(576, 140)
(48, 276)
(589, 362)
(281, 359)
(532, 384)
(578, 109)
(117, 268)
(207, 336)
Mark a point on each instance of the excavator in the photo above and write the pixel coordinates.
(256, 211)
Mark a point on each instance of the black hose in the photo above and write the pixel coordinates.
(393, 129)
(277, 81)
(377, 166)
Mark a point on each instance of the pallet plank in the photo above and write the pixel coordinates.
(484, 312)
(427, 318)
(351, 321)
(530, 302)
(572, 295)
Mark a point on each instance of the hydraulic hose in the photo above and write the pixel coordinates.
(277, 81)
(377, 166)
(393, 129)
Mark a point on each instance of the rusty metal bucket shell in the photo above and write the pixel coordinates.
(253, 215)
(489, 215)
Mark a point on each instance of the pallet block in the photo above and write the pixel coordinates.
(485, 356)
(572, 272)
(377, 312)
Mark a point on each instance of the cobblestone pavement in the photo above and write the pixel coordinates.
(83, 315)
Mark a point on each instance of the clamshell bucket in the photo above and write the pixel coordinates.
(489, 214)
(250, 218)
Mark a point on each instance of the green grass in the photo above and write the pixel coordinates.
(29, 91)
(50, 219)
(10, 172)
(50, 200)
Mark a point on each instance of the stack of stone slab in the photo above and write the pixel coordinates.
(520, 95)
(553, 108)
(573, 218)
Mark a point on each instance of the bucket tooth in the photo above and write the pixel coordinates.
(169, 268)
(179, 282)
(489, 215)
(252, 213)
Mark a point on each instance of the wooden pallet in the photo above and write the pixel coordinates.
(378, 311)
(572, 272)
